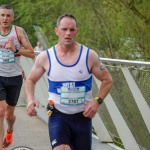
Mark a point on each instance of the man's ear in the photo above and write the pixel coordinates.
(56, 31)
(77, 31)
(13, 18)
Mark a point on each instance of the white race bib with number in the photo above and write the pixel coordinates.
(72, 95)
(7, 56)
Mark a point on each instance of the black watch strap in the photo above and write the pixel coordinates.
(16, 50)
(99, 100)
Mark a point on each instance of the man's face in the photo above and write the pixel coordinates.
(6, 17)
(66, 31)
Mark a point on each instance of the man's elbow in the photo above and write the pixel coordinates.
(110, 81)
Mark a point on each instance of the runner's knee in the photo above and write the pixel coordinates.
(9, 116)
(2, 112)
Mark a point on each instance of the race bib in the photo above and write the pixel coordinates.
(72, 95)
(6, 56)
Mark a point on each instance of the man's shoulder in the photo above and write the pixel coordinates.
(18, 28)
(51, 48)
(91, 53)
(84, 46)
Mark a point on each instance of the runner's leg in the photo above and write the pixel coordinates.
(2, 114)
(10, 117)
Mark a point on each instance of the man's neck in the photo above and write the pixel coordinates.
(4, 30)
(67, 48)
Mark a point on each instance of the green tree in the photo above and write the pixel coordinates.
(118, 26)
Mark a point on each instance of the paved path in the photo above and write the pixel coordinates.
(31, 132)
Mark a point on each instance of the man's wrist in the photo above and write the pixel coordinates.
(30, 100)
(16, 51)
(99, 100)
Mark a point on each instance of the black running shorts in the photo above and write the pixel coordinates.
(74, 130)
(10, 89)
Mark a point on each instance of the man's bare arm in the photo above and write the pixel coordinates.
(100, 71)
(35, 74)
(27, 49)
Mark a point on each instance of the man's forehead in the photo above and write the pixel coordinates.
(6, 11)
(67, 21)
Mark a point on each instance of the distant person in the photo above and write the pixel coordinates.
(39, 47)
(108, 54)
(13, 43)
(70, 67)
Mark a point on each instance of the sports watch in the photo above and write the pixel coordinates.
(99, 100)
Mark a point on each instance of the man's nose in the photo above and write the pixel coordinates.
(68, 31)
(4, 17)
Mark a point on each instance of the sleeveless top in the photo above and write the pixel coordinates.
(9, 61)
(70, 86)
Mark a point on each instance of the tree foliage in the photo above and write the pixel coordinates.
(114, 28)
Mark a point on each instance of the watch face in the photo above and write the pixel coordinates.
(99, 100)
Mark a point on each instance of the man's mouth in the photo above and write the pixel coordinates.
(68, 39)
(4, 22)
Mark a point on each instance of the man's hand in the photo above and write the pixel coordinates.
(9, 45)
(31, 111)
(91, 109)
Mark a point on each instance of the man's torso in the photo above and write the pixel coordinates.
(70, 85)
(9, 62)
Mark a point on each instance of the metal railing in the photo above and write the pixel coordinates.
(125, 114)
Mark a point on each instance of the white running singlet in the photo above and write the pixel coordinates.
(70, 87)
(9, 61)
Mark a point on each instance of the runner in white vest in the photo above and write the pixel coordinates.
(69, 66)
(9, 61)
(13, 43)
(74, 86)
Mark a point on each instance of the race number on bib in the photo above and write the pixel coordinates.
(72, 95)
(7, 56)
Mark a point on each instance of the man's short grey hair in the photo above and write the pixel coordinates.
(6, 6)
(66, 16)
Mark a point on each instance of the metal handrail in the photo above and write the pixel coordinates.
(129, 62)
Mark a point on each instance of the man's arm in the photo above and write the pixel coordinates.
(100, 72)
(35, 74)
(27, 49)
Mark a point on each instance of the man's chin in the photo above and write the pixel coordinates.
(5, 25)
(68, 43)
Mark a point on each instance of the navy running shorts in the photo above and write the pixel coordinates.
(74, 130)
(10, 89)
